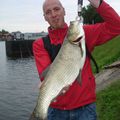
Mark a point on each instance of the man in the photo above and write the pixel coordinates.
(78, 102)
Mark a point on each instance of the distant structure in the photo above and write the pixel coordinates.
(20, 44)
(27, 36)
(21, 36)
(6, 36)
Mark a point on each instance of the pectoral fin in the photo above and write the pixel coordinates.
(45, 72)
(79, 78)
(81, 49)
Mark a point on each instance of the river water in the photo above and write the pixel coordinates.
(18, 86)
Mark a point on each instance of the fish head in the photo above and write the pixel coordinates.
(75, 32)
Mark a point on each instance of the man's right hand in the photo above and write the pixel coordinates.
(95, 3)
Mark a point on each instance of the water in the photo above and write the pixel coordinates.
(18, 86)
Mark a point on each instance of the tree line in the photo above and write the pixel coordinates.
(3, 31)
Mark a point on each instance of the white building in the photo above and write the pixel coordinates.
(34, 36)
(17, 35)
(27, 36)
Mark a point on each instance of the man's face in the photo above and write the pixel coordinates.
(54, 14)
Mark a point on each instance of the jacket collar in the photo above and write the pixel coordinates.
(57, 36)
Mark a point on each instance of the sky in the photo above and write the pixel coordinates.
(27, 15)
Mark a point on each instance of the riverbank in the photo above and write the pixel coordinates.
(107, 76)
(108, 92)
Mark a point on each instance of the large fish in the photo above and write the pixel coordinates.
(64, 70)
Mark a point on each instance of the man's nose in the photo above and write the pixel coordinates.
(53, 13)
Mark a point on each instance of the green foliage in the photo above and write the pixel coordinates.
(90, 15)
(108, 102)
(3, 31)
(107, 53)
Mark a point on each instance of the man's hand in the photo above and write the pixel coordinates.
(95, 3)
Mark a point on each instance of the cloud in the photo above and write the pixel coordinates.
(27, 15)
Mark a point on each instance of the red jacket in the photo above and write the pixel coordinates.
(95, 35)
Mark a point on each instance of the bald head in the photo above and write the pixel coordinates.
(49, 2)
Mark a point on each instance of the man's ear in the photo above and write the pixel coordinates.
(64, 11)
(45, 17)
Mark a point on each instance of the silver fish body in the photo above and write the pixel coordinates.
(64, 69)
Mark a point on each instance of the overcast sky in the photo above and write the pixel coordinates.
(27, 15)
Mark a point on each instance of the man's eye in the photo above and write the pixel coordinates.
(48, 12)
(57, 9)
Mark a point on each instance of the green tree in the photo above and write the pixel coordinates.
(4, 31)
(90, 15)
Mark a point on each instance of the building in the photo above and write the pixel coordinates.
(6, 36)
(27, 36)
(18, 35)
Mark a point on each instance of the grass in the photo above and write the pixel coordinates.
(108, 102)
(107, 53)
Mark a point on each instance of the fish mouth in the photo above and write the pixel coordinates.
(77, 40)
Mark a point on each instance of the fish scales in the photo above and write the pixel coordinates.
(64, 69)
